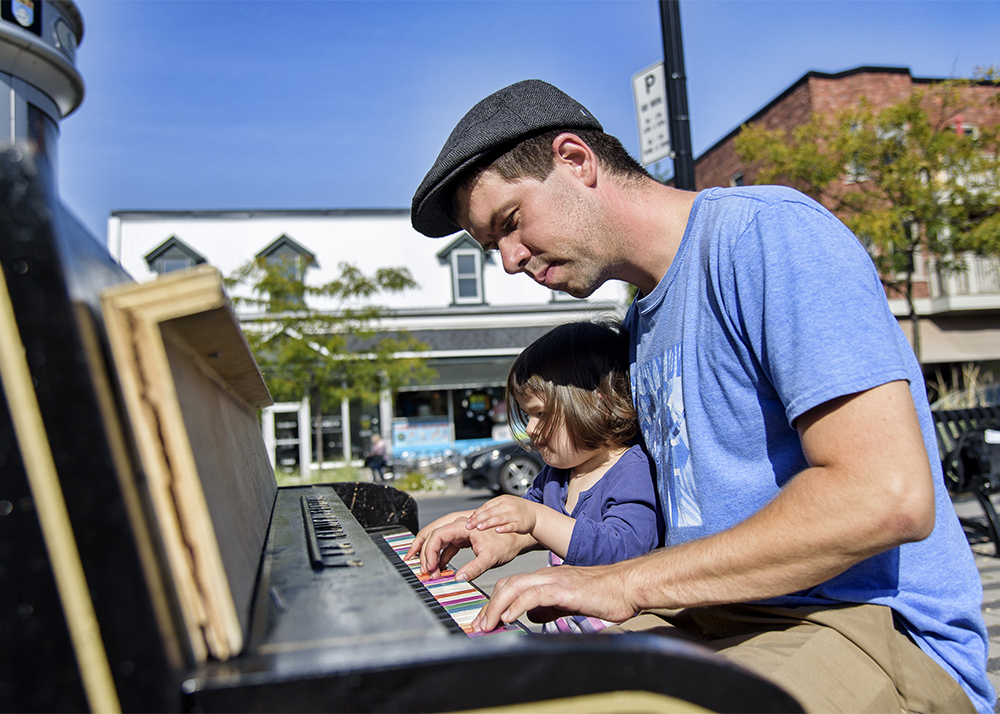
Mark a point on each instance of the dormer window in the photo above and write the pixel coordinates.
(290, 255)
(466, 260)
(467, 273)
(289, 260)
(172, 254)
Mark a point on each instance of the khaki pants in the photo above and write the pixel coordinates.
(842, 659)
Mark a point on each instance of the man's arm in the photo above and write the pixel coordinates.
(868, 488)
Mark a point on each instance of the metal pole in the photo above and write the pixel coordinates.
(673, 65)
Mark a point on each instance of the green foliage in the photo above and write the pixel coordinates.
(901, 177)
(414, 482)
(329, 475)
(331, 351)
(411, 482)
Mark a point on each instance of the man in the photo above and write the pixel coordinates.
(809, 536)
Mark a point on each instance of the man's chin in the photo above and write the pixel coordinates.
(575, 291)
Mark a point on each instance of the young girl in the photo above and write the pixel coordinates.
(594, 502)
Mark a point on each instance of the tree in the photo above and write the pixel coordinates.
(331, 354)
(907, 179)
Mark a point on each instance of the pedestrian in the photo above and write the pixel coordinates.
(375, 460)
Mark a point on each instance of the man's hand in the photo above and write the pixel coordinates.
(506, 514)
(549, 593)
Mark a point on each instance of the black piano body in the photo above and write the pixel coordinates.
(92, 618)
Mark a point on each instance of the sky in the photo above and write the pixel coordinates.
(320, 104)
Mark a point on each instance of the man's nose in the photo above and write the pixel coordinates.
(514, 255)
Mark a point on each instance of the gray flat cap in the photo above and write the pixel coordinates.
(498, 122)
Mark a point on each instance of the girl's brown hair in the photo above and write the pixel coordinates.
(579, 371)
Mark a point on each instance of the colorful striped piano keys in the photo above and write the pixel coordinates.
(461, 600)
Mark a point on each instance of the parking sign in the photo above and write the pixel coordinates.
(649, 88)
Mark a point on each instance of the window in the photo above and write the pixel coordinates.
(170, 264)
(290, 260)
(886, 145)
(466, 260)
(466, 271)
(962, 129)
(976, 174)
(737, 179)
(171, 255)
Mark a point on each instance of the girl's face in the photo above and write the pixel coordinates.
(559, 451)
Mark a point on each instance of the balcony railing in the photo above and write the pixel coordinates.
(981, 276)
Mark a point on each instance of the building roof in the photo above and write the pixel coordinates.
(802, 80)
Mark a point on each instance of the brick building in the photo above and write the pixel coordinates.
(960, 312)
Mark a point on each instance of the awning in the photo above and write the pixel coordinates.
(962, 338)
(466, 373)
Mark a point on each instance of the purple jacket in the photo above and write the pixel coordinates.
(616, 519)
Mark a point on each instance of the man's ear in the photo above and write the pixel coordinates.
(572, 153)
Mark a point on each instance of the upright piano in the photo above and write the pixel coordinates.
(149, 562)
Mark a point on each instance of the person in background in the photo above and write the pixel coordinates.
(376, 459)
(809, 536)
(593, 503)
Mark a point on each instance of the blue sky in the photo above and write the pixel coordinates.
(282, 104)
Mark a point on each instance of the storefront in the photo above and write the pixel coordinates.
(461, 411)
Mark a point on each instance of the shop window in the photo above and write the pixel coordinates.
(478, 412)
(431, 403)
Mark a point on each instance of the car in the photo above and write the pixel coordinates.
(505, 468)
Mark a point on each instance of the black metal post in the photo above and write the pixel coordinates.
(677, 105)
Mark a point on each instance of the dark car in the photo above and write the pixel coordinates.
(504, 468)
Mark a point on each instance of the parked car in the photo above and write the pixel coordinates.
(505, 468)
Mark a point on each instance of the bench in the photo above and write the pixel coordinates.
(970, 459)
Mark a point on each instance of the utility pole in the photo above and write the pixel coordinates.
(680, 124)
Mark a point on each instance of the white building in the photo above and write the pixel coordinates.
(474, 316)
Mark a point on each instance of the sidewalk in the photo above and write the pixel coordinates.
(989, 574)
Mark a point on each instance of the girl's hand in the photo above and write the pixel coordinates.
(425, 532)
(506, 514)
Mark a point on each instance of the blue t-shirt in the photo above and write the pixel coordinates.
(772, 307)
(616, 518)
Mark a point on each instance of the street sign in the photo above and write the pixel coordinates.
(649, 87)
